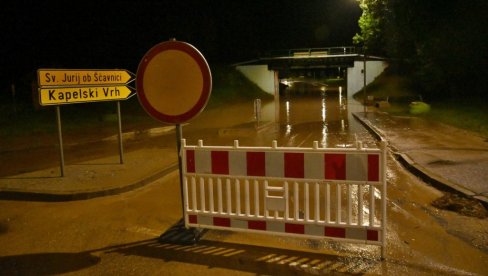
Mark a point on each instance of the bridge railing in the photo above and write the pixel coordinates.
(315, 52)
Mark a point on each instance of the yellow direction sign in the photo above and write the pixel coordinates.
(69, 95)
(81, 77)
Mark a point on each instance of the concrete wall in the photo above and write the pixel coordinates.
(265, 79)
(260, 75)
(355, 79)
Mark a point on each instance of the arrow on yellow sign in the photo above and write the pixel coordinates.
(81, 77)
(69, 95)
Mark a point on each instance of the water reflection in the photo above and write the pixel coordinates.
(323, 141)
(317, 115)
(288, 125)
(340, 96)
(324, 107)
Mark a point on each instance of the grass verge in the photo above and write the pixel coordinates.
(469, 114)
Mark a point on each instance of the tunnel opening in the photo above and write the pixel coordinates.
(311, 81)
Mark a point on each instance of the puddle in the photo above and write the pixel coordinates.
(462, 205)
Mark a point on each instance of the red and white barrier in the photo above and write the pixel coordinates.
(311, 192)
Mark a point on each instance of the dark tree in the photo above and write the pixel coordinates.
(441, 44)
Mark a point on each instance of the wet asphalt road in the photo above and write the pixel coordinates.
(117, 234)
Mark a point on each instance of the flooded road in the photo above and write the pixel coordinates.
(421, 239)
(118, 234)
(325, 118)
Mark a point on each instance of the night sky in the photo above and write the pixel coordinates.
(116, 34)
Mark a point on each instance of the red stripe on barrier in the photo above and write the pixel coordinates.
(294, 228)
(256, 225)
(373, 167)
(190, 161)
(335, 232)
(256, 164)
(220, 162)
(294, 165)
(372, 235)
(224, 222)
(335, 166)
(192, 219)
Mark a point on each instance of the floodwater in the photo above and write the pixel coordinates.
(421, 240)
(324, 117)
(118, 234)
(295, 121)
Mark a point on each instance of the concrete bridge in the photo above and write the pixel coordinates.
(282, 66)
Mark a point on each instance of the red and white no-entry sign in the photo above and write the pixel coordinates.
(173, 82)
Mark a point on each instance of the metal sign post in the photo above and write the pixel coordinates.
(121, 147)
(60, 140)
(179, 136)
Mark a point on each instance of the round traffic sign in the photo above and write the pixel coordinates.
(173, 82)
